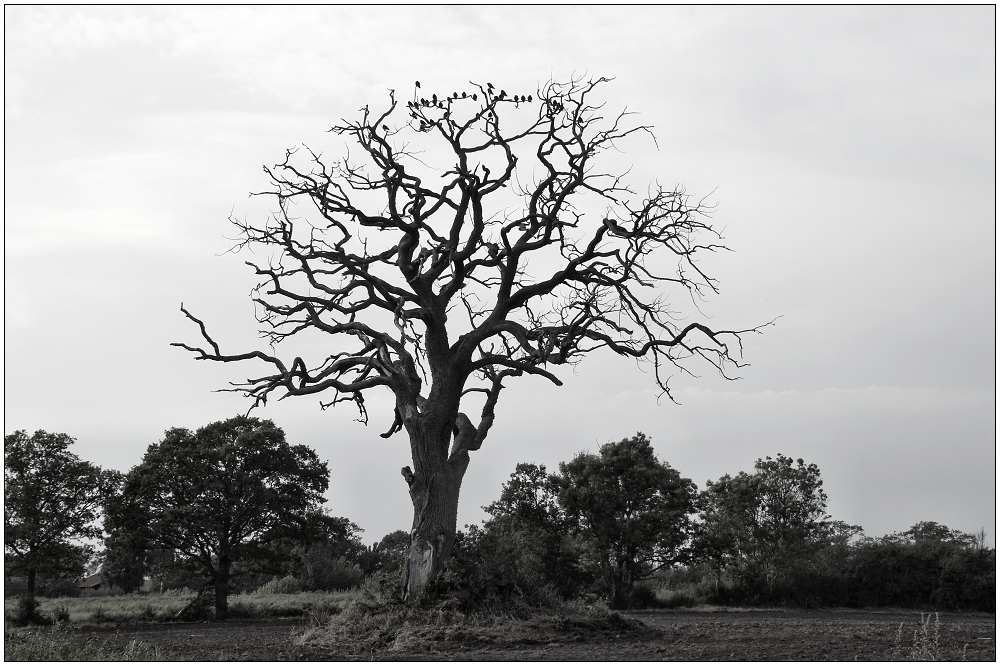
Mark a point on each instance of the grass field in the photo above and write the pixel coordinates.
(153, 607)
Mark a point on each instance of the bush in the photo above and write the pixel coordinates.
(62, 614)
(323, 573)
(26, 612)
(202, 607)
(286, 585)
(643, 596)
(492, 574)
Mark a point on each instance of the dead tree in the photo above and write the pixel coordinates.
(440, 282)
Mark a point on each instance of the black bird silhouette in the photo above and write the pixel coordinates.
(489, 86)
(529, 98)
(385, 127)
(473, 96)
(463, 94)
(434, 97)
(418, 84)
(502, 94)
(614, 228)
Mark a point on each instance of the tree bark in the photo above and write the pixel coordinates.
(222, 590)
(434, 488)
(31, 582)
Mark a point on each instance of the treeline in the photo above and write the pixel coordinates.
(232, 507)
(225, 509)
(621, 524)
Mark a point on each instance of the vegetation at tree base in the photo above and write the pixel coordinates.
(759, 539)
(52, 499)
(630, 510)
(422, 277)
(522, 557)
(232, 493)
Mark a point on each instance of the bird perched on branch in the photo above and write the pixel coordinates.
(417, 84)
(614, 228)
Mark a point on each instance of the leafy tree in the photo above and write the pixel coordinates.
(51, 501)
(332, 560)
(523, 553)
(761, 527)
(234, 491)
(529, 527)
(125, 561)
(631, 508)
(424, 276)
(530, 496)
(389, 553)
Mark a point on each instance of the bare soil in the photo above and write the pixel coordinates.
(663, 635)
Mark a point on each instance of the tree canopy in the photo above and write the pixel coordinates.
(761, 526)
(52, 499)
(631, 508)
(234, 490)
(470, 238)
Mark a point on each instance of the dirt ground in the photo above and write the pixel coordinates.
(665, 635)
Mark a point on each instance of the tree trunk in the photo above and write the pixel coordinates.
(31, 582)
(222, 590)
(434, 490)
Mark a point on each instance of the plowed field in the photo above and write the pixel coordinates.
(666, 635)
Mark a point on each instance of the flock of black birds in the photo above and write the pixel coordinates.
(438, 103)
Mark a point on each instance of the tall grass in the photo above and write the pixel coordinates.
(63, 644)
(159, 607)
(926, 641)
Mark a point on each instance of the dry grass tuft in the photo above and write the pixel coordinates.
(926, 644)
(398, 630)
(63, 644)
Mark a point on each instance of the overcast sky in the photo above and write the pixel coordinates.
(850, 152)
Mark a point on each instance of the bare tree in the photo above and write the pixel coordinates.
(421, 274)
